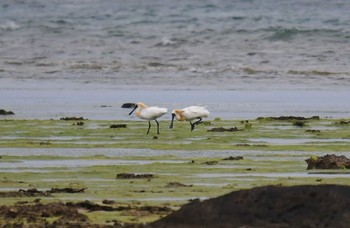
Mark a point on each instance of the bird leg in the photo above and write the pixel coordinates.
(149, 126)
(193, 124)
(157, 127)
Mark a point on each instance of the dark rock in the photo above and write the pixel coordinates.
(34, 214)
(243, 144)
(108, 201)
(176, 185)
(289, 118)
(328, 162)
(231, 158)
(134, 176)
(313, 131)
(299, 123)
(270, 206)
(128, 105)
(33, 192)
(342, 122)
(6, 113)
(25, 193)
(118, 126)
(211, 163)
(67, 190)
(79, 123)
(156, 209)
(91, 206)
(72, 118)
(222, 129)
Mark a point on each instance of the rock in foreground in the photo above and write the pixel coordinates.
(270, 206)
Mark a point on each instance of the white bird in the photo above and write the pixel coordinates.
(189, 114)
(149, 113)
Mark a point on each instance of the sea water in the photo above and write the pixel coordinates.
(242, 58)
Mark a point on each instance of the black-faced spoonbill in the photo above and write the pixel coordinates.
(189, 114)
(149, 113)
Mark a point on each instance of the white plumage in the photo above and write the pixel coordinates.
(149, 113)
(189, 114)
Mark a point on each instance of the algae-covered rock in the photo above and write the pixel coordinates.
(328, 162)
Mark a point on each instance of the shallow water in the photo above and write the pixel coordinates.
(280, 141)
(56, 103)
(119, 152)
(64, 163)
(238, 176)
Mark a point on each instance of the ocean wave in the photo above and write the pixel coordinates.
(167, 42)
(252, 71)
(257, 71)
(86, 66)
(9, 26)
(94, 66)
(316, 72)
(285, 34)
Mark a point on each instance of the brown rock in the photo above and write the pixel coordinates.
(328, 162)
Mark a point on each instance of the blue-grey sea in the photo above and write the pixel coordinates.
(240, 58)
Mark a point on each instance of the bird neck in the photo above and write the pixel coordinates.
(179, 115)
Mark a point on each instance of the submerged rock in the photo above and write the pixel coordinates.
(328, 162)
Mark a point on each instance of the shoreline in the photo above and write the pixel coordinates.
(225, 104)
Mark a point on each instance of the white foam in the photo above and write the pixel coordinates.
(9, 26)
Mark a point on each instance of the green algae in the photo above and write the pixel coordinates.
(97, 134)
(97, 173)
(206, 180)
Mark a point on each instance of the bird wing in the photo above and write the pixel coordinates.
(194, 112)
(193, 108)
(152, 113)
